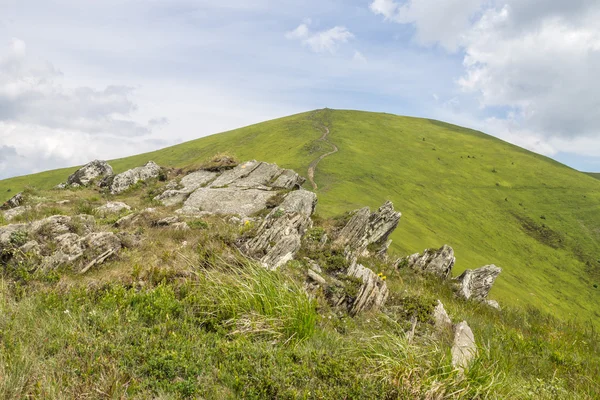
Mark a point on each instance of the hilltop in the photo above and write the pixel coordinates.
(493, 202)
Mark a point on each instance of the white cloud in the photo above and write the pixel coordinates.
(323, 41)
(359, 57)
(533, 63)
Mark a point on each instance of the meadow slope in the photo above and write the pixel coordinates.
(493, 202)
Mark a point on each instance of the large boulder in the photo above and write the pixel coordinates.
(476, 284)
(188, 184)
(123, 181)
(366, 228)
(436, 262)
(279, 237)
(85, 175)
(464, 349)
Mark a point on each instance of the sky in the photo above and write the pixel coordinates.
(85, 79)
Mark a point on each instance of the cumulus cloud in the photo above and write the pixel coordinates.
(534, 60)
(45, 124)
(322, 41)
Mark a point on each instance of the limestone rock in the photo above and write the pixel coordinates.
(189, 183)
(123, 181)
(112, 207)
(476, 284)
(464, 349)
(442, 321)
(89, 172)
(15, 212)
(493, 304)
(99, 242)
(15, 201)
(373, 292)
(366, 228)
(279, 237)
(180, 226)
(167, 221)
(437, 262)
(226, 201)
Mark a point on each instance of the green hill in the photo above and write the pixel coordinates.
(493, 202)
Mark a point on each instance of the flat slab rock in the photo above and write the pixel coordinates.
(188, 184)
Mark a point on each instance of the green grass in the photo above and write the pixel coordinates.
(492, 201)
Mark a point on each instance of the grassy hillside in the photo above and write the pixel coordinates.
(492, 201)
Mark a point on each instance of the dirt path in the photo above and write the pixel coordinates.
(313, 165)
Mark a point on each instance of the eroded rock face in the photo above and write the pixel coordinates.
(85, 175)
(464, 349)
(366, 228)
(243, 190)
(123, 181)
(15, 201)
(188, 184)
(279, 237)
(437, 262)
(476, 284)
(373, 292)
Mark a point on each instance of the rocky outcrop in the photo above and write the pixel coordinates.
(15, 201)
(373, 292)
(436, 262)
(464, 349)
(476, 284)
(111, 208)
(12, 213)
(188, 184)
(279, 237)
(90, 172)
(123, 181)
(366, 228)
(243, 190)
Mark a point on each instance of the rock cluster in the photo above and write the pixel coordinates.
(57, 240)
(470, 285)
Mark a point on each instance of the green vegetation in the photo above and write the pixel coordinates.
(491, 201)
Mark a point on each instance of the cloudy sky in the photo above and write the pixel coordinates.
(85, 79)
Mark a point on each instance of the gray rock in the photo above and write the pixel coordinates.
(464, 349)
(123, 181)
(227, 201)
(443, 323)
(189, 183)
(437, 262)
(61, 186)
(15, 201)
(493, 304)
(167, 221)
(15, 212)
(279, 237)
(476, 284)
(288, 179)
(366, 228)
(373, 292)
(112, 207)
(180, 226)
(31, 247)
(99, 242)
(51, 227)
(89, 172)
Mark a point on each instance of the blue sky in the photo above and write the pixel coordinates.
(81, 80)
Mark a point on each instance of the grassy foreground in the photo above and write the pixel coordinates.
(492, 201)
(183, 315)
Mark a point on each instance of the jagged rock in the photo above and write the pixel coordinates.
(123, 181)
(442, 321)
(279, 237)
(366, 228)
(373, 292)
(15, 212)
(464, 349)
(189, 183)
(112, 207)
(89, 172)
(15, 201)
(437, 262)
(476, 284)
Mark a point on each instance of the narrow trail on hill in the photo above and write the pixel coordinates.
(313, 165)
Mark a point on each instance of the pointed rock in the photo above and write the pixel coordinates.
(442, 321)
(373, 292)
(476, 284)
(89, 172)
(437, 262)
(464, 349)
(279, 237)
(366, 228)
